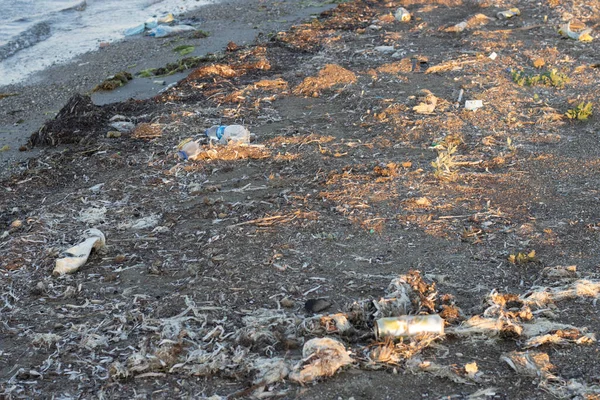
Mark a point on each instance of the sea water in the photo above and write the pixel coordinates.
(35, 34)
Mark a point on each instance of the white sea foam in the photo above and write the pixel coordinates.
(38, 33)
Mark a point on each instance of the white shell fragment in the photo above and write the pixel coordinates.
(76, 256)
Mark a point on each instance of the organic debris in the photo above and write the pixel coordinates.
(330, 76)
(322, 357)
(112, 82)
(427, 103)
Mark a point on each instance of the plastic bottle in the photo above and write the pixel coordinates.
(189, 150)
(224, 133)
(409, 325)
(166, 30)
(136, 30)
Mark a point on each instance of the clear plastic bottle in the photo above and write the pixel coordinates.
(189, 150)
(166, 30)
(225, 133)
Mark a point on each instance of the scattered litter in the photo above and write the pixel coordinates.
(461, 26)
(189, 149)
(408, 325)
(402, 14)
(96, 188)
(576, 31)
(224, 134)
(149, 24)
(493, 55)
(316, 305)
(166, 30)
(473, 105)
(74, 257)
(123, 126)
(322, 357)
(513, 12)
(384, 49)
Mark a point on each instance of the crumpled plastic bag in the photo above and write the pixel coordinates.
(583, 34)
(74, 257)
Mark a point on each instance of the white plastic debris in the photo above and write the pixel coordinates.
(473, 105)
(402, 15)
(76, 256)
(493, 55)
(385, 49)
(582, 35)
(513, 12)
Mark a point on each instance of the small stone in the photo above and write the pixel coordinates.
(287, 302)
(316, 305)
(113, 134)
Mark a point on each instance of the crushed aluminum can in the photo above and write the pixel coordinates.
(409, 325)
(508, 13)
(402, 15)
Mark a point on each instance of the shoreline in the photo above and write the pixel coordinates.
(43, 94)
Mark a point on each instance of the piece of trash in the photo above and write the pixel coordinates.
(96, 188)
(123, 126)
(493, 55)
(461, 26)
(473, 105)
(225, 133)
(166, 30)
(576, 31)
(189, 149)
(149, 24)
(402, 15)
(409, 325)
(513, 12)
(384, 49)
(136, 30)
(76, 256)
(460, 95)
(113, 134)
(322, 357)
(316, 305)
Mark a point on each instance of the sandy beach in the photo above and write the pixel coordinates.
(416, 216)
(45, 93)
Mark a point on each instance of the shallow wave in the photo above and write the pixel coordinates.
(35, 34)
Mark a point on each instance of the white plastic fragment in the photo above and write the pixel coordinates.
(76, 256)
(508, 13)
(473, 105)
(493, 55)
(402, 15)
(582, 36)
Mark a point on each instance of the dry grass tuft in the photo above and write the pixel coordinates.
(147, 131)
(327, 78)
